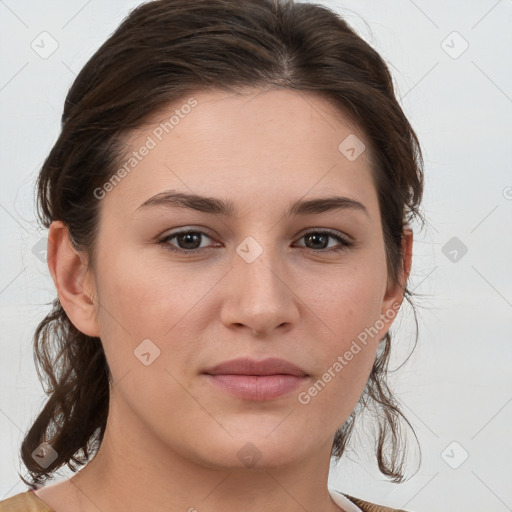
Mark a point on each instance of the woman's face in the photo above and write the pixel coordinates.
(264, 255)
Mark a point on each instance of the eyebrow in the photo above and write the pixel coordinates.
(227, 208)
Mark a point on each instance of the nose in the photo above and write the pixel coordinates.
(259, 296)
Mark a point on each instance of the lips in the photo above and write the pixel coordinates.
(256, 380)
(244, 366)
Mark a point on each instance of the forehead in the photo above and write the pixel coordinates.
(267, 145)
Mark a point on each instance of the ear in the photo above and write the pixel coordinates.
(395, 291)
(73, 281)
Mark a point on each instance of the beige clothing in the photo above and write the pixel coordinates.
(29, 502)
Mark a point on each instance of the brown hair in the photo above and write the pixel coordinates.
(163, 51)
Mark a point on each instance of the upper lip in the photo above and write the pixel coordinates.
(246, 366)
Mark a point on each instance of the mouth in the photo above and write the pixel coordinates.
(256, 380)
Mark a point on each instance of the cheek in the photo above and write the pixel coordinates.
(142, 300)
(146, 296)
(345, 301)
(345, 353)
(346, 312)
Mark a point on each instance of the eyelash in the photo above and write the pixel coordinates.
(345, 244)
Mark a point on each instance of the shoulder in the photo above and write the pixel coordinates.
(24, 502)
(366, 506)
(29, 502)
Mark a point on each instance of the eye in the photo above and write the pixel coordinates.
(318, 241)
(187, 241)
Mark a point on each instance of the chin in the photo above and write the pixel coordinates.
(253, 451)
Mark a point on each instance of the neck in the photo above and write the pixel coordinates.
(133, 471)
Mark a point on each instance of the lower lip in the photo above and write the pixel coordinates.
(257, 387)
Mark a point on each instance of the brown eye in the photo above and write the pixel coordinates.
(319, 241)
(185, 241)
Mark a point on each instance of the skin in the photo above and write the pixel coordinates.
(172, 438)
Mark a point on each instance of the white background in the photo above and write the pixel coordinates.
(457, 386)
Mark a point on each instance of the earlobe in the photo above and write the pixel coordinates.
(73, 281)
